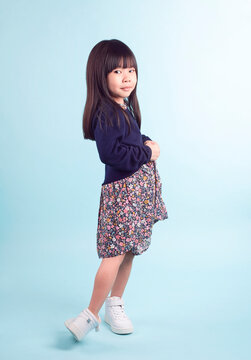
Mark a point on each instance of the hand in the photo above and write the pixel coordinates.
(155, 149)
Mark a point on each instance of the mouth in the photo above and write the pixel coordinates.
(126, 88)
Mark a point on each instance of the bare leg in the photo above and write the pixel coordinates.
(123, 275)
(104, 280)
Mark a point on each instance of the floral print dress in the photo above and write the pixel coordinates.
(128, 210)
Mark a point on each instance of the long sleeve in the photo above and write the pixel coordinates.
(145, 138)
(115, 151)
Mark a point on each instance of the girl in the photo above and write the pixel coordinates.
(131, 200)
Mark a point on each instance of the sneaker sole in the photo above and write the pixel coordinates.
(119, 330)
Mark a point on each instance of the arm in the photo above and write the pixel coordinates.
(114, 152)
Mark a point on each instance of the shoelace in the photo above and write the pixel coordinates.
(118, 311)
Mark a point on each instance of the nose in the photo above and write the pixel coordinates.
(127, 77)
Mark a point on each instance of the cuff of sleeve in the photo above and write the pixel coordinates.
(149, 152)
(147, 138)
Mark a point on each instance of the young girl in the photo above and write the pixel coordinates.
(131, 200)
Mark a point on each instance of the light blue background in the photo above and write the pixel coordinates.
(189, 295)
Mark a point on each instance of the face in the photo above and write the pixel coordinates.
(121, 82)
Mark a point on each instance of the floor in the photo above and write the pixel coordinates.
(191, 301)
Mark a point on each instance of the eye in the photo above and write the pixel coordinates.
(117, 71)
(132, 70)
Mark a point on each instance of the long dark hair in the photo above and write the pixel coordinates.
(104, 57)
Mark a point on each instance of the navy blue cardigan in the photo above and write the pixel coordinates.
(122, 153)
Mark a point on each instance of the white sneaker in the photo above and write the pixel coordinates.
(82, 324)
(116, 317)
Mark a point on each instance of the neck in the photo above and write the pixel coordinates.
(120, 102)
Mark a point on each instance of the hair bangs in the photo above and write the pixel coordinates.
(120, 56)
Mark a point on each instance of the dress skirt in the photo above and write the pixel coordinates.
(127, 212)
